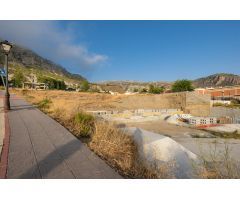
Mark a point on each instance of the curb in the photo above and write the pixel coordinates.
(5, 149)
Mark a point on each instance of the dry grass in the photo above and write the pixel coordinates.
(119, 150)
(218, 164)
(71, 100)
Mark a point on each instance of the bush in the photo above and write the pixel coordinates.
(144, 90)
(82, 124)
(84, 86)
(135, 90)
(182, 85)
(155, 89)
(44, 104)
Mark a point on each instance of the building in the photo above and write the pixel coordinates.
(221, 92)
(36, 86)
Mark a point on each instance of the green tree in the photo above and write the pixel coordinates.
(182, 85)
(18, 78)
(52, 83)
(85, 86)
(155, 89)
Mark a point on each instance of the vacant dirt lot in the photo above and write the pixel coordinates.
(72, 100)
(96, 101)
(186, 101)
(170, 130)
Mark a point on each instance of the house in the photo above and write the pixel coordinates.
(36, 86)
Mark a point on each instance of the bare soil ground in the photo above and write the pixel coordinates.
(167, 129)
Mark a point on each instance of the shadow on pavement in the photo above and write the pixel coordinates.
(53, 160)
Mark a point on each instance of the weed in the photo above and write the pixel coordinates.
(44, 104)
(82, 124)
(218, 164)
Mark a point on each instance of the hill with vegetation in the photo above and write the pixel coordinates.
(32, 66)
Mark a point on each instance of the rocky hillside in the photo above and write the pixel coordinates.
(123, 86)
(28, 59)
(217, 80)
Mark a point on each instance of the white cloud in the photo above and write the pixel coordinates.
(47, 39)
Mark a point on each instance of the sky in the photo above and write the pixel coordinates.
(133, 50)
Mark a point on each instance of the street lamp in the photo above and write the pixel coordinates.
(6, 47)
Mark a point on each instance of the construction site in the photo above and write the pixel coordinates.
(179, 126)
(188, 118)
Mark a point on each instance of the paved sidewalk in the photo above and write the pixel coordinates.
(42, 148)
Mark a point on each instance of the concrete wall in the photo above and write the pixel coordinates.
(223, 112)
(189, 102)
(197, 104)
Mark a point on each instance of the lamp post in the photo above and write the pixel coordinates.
(6, 47)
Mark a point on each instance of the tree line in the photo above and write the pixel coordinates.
(178, 86)
(18, 79)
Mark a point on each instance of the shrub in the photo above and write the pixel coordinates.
(44, 104)
(82, 124)
(84, 86)
(144, 90)
(182, 85)
(155, 89)
(135, 90)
